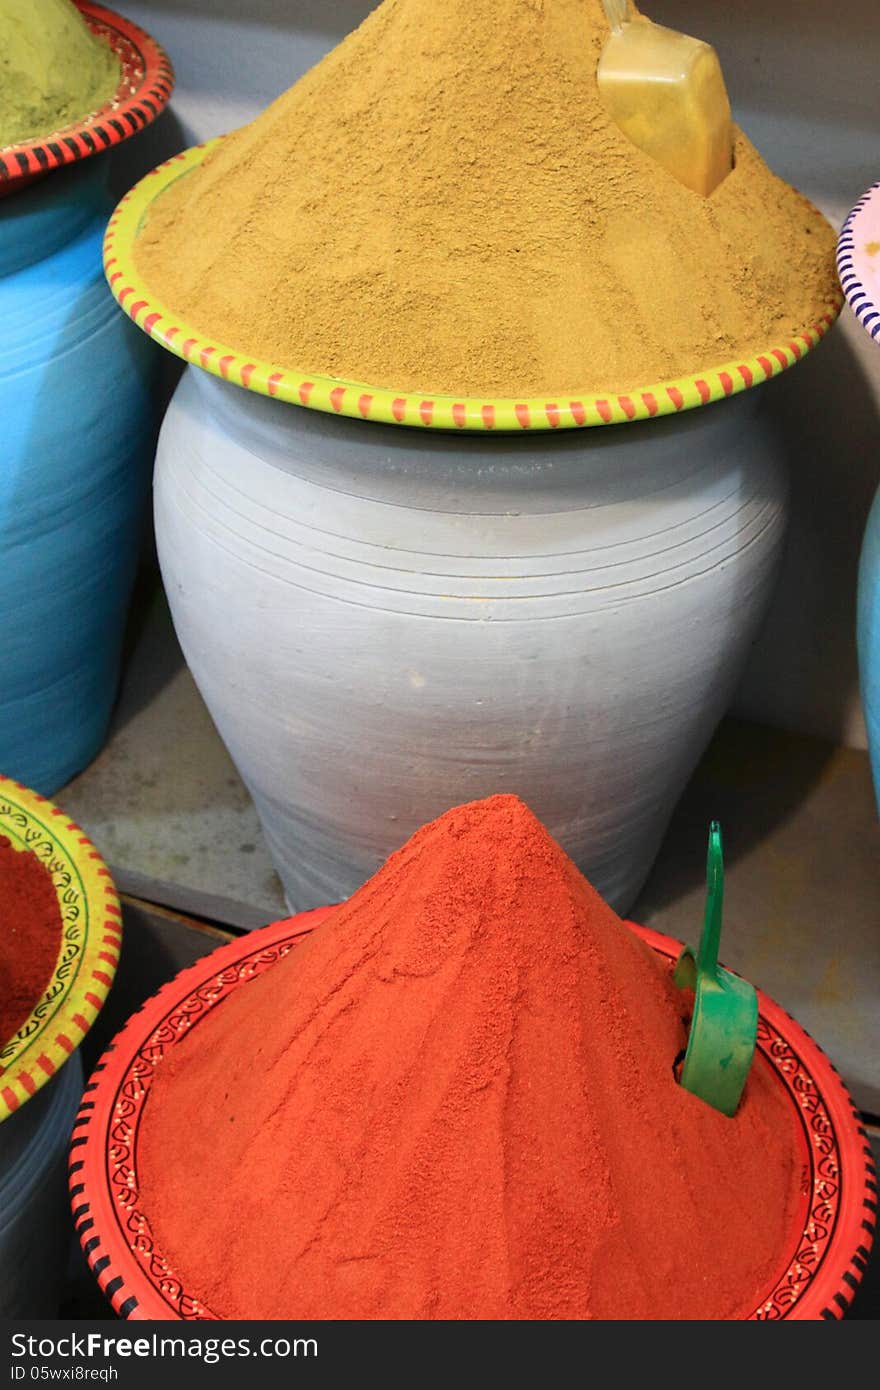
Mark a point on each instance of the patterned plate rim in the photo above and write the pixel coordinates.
(90, 943)
(128, 112)
(828, 1257)
(850, 266)
(361, 401)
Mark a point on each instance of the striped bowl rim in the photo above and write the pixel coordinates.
(145, 85)
(852, 263)
(361, 401)
(830, 1239)
(91, 936)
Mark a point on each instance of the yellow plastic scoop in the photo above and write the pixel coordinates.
(666, 92)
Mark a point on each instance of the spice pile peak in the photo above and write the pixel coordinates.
(444, 205)
(53, 70)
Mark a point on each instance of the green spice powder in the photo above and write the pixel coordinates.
(53, 70)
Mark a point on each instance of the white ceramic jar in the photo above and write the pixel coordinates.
(385, 622)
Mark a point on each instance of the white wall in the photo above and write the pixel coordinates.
(802, 75)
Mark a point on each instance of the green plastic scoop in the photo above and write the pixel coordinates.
(724, 1027)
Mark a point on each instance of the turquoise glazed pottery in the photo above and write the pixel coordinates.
(75, 457)
(858, 263)
(869, 635)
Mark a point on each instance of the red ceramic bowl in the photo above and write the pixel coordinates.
(146, 79)
(819, 1270)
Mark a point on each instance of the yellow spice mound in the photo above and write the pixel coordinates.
(444, 205)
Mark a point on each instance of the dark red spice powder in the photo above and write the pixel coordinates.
(456, 1100)
(30, 934)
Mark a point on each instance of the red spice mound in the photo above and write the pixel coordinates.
(456, 1100)
(30, 934)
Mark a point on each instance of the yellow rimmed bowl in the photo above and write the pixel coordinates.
(41, 1077)
(91, 936)
(359, 400)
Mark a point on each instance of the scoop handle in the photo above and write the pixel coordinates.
(615, 13)
(710, 940)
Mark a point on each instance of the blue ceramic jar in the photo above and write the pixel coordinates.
(869, 635)
(75, 453)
